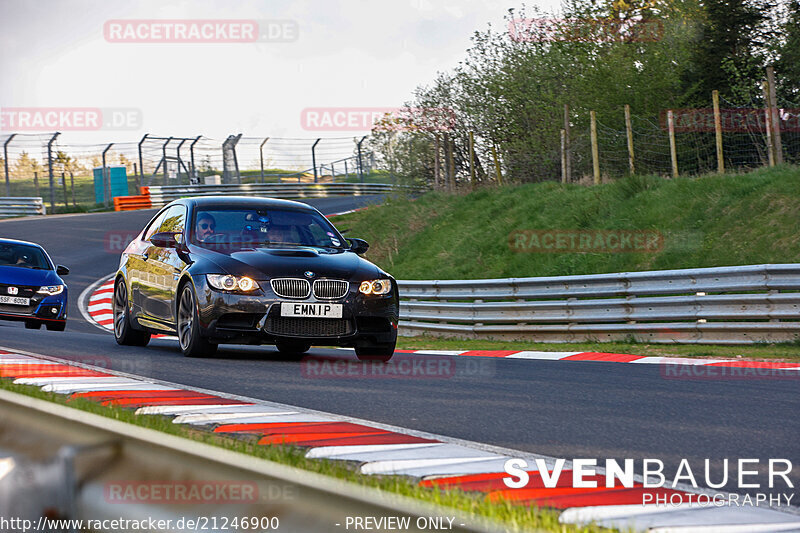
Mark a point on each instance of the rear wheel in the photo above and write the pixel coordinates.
(57, 326)
(375, 352)
(33, 325)
(192, 343)
(123, 330)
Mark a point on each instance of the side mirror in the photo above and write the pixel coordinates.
(61, 270)
(164, 239)
(359, 246)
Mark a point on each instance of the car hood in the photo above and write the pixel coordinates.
(28, 276)
(264, 263)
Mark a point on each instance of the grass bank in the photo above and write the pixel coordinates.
(714, 220)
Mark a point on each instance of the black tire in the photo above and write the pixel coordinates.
(33, 325)
(57, 326)
(375, 352)
(192, 343)
(123, 330)
(294, 350)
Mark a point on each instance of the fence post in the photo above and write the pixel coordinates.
(595, 154)
(673, 153)
(768, 124)
(567, 157)
(436, 162)
(472, 159)
(261, 156)
(64, 187)
(36, 182)
(314, 158)
(5, 163)
(50, 170)
(563, 156)
(776, 119)
(718, 130)
(191, 157)
(497, 165)
(451, 164)
(360, 162)
(72, 187)
(107, 175)
(141, 163)
(629, 130)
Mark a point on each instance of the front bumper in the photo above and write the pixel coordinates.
(255, 318)
(46, 309)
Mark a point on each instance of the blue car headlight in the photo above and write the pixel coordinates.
(51, 290)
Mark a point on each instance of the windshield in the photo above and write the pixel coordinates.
(23, 256)
(250, 228)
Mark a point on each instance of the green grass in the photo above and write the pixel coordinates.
(715, 220)
(513, 517)
(770, 352)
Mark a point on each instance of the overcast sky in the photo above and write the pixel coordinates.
(347, 53)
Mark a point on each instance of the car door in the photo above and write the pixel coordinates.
(137, 265)
(164, 266)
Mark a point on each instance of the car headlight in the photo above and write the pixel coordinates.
(226, 282)
(51, 290)
(375, 286)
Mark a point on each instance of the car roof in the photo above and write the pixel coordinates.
(15, 241)
(247, 202)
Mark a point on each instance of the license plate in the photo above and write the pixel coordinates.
(311, 310)
(13, 300)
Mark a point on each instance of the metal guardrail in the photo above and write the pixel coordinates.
(162, 195)
(21, 206)
(142, 457)
(724, 305)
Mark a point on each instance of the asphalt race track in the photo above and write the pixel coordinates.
(556, 408)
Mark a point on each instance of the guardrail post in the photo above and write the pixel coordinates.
(360, 162)
(141, 162)
(314, 158)
(107, 178)
(261, 156)
(50, 170)
(5, 163)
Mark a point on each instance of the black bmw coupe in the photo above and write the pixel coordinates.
(247, 270)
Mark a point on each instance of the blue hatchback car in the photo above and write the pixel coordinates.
(31, 288)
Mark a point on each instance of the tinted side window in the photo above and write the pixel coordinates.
(174, 220)
(153, 227)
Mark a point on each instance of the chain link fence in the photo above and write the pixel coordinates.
(66, 175)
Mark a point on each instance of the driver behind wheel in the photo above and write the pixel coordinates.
(206, 226)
